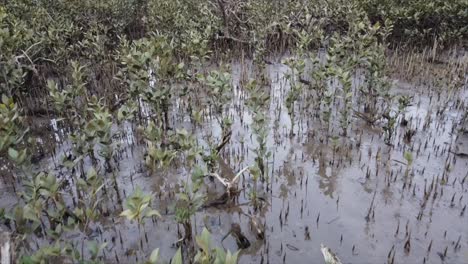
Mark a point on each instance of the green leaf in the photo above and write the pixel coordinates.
(93, 248)
(152, 213)
(129, 214)
(154, 256)
(13, 153)
(184, 197)
(22, 156)
(102, 247)
(409, 158)
(198, 257)
(220, 256)
(28, 213)
(204, 240)
(82, 182)
(177, 259)
(91, 173)
(231, 259)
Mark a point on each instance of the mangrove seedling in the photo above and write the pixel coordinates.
(139, 207)
(207, 255)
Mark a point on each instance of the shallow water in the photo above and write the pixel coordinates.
(326, 186)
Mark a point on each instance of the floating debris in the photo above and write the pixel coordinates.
(329, 256)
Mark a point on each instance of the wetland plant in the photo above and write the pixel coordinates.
(207, 254)
(297, 66)
(138, 206)
(258, 103)
(90, 88)
(12, 131)
(189, 201)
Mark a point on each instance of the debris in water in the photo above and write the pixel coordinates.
(329, 256)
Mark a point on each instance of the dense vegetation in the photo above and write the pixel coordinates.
(99, 67)
(39, 38)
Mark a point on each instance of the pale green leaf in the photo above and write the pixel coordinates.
(177, 259)
(13, 153)
(154, 256)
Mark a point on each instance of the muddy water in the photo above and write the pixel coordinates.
(354, 194)
(330, 192)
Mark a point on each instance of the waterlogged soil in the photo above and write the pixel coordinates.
(354, 194)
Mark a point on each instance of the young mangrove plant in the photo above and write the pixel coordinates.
(207, 254)
(95, 95)
(139, 207)
(297, 66)
(258, 103)
(100, 128)
(347, 96)
(189, 201)
(12, 132)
